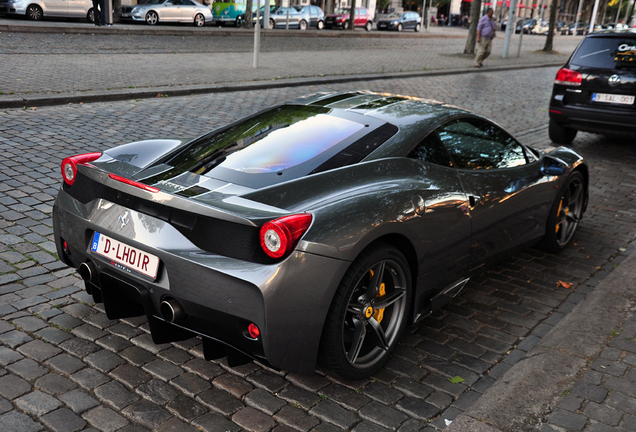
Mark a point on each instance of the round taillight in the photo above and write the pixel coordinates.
(280, 236)
(253, 330)
(69, 165)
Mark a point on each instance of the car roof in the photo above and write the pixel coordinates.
(613, 32)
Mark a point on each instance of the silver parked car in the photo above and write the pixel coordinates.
(154, 11)
(299, 17)
(38, 9)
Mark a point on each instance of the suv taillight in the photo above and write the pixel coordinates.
(69, 165)
(568, 77)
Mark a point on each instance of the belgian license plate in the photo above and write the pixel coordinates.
(125, 15)
(613, 98)
(125, 257)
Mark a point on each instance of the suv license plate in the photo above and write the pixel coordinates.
(613, 98)
(125, 257)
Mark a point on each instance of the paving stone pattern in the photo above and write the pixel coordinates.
(604, 399)
(65, 366)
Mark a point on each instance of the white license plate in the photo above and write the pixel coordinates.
(125, 15)
(125, 257)
(613, 98)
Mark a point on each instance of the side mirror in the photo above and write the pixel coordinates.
(553, 166)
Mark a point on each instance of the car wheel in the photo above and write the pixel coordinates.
(34, 12)
(152, 18)
(561, 134)
(400, 27)
(271, 24)
(320, 25)
(418, 27)
(345, 25)
(238, 22)
(565, 214)
(369, 26)
(367, 314)
(90, 16)
(302, 25)
(199, 20)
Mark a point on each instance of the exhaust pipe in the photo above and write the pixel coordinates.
(87, 271)
(171, 310)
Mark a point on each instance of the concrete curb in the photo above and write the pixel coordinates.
(145, 93)
(517, 400)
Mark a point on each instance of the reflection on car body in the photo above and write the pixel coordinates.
(313, 231)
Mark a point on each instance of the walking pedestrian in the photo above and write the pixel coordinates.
(485, 35)
(97, 13)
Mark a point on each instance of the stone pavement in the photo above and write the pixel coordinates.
(64, 366)
(125, 62)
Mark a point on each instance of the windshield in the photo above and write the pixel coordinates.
(394, 15)
(343, 11)
(153, 2)
(605, 53)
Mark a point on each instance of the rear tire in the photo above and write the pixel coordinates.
(368, 26)
(367, 314)
(561, 134)
(90, 16)
(271, 24)
(320, 25)
(565, 215)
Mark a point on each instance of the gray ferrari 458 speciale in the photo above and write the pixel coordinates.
(312, 232)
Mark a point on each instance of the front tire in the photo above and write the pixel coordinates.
(367, 314)
(152, 18)
(400, 27)
(34, 13)
(560, 134)
(565, 214)
(418, 27)
(199, 20)
(302, 25)
(320, 25)
(271, 24)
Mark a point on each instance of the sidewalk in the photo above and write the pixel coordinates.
(581, 376)
(182, 60)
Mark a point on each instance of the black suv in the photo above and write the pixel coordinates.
(596, 89)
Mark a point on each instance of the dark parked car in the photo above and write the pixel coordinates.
(313, 231)
(595, 90)
(340, 19)
(400, 21)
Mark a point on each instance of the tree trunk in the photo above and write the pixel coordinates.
(247, 18)
(472, 29)
(352, 16)
(550, 37)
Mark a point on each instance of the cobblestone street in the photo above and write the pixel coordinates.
(66, 367)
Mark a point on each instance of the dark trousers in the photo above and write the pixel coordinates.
(97, 12)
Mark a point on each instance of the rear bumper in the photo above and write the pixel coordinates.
(220, 296)
(596, 120)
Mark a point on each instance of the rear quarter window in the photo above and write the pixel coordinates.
(605, 52)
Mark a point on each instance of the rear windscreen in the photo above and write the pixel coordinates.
(600, 52)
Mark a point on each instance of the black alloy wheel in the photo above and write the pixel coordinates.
(565, 214)
(367, 314)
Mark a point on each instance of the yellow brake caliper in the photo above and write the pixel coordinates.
(559, 212)
(379, 313)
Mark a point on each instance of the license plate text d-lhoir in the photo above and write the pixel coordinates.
(124, 256)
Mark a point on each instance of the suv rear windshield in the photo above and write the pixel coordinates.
(606, 52)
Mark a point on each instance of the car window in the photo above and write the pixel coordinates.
(605, 52)
(431, 150)
(475, 144)
(186, 3)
